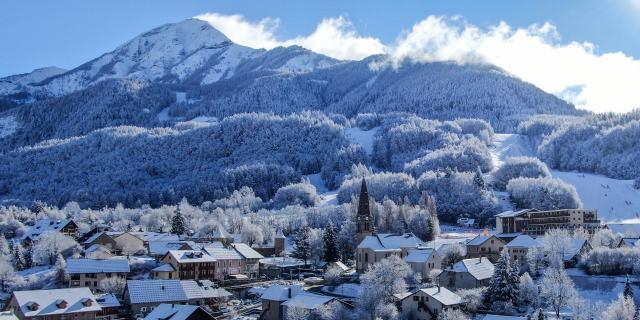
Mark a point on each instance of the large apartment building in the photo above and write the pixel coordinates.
(535, 222)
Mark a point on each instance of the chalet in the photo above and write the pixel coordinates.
(92, 232)
(89, 272)
(428, 303)
(54, 304)
(467, 274)
(167, 311)
(424, 260)
(380, 246)
(485, 246)
(518, 249)
(64, 226)
(102, 239)
(143, 296)
(278, 298)
(110, 307)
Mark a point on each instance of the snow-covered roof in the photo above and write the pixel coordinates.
(41, 226)
(419, 255)
(523, 241)
(308, 301)
(222, 253)
(167, 311)
(155, 236)
(107, 300)
(393, 242)
(443, 295)
(279, 292)
(480, 239)
(625, 229)
(512, 213)
(191, 256)
(570, 252)
(282, 261)
(95, 236)
(160, 248)
(479, 268)
(164, 268)
(97, 249)
(96, 266)
(338, 264)
(48, 301)
(498, 317)
(246, 251)
(155, 291)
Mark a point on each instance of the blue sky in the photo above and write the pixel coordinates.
(38, 33)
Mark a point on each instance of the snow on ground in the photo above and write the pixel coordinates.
(316, 181)
(8, 125)
(362, 137)
(615, 200)
(38, 271)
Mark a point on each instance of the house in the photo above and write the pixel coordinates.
(191, 264)
(101, 238)
(89, 272)
(428, 303)
(383, 245)
(64, 226)
(467, 222)
(278, 298)
(628, 242)
(536, 222)
(127, 243)
(165, 271)
(110, 307)
(424, 260)
(273, 248)
(467, 274)
(97, 251)
(485, 246)
(251, 259)
(167, 311)
(576, 249)
(518, 249)
(158, 249)
(228, 262)
(54, 304)
(143, 296)
(92, 232)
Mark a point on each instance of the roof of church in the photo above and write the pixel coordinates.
(388, 241)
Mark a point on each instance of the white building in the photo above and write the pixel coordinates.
(428, 303)
(383, 245)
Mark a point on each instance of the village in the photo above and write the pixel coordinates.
(152, 275)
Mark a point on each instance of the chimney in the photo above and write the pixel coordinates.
(289, 292)
(438, 288)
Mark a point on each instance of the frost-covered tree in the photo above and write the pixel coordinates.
(556, 243)
(50, 245)
(6, 272)
(178, 223)
(18, 257)
(296, 313)
(383, 279)
(60, 267)
(621, 309)
(536, 260)
(618, 261)
(452, 253)
(628, 290)
(330, 244)
(302, 244)
(472, 299)
(113, 285)
(557, 289)
(394, 186)
(503, 288)
(251, 234)
(543, 194)
(332, 275)
(346, 240)
(604, 238)
(528, 291)
(303, 194)
(334, 311)
(5, 249)
(519, 167)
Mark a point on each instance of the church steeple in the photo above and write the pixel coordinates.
(364, 218)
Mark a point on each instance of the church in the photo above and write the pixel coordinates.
(373, 246)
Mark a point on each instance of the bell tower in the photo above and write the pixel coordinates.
(364, 218)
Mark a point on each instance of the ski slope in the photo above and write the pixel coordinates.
(615, 200)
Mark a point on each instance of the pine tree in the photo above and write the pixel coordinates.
(503, 287)
(302, 244)
(27, 256)
(478, 179)
(178, 225)
(628, 290)
(18, 257)
(330, 245)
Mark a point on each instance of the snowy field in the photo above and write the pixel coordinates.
(362, 137)
(615, 200)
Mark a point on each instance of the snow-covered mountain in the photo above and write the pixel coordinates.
(17, 83)
(189, 51)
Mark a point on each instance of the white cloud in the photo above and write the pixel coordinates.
(334, 37)
(573, 71)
